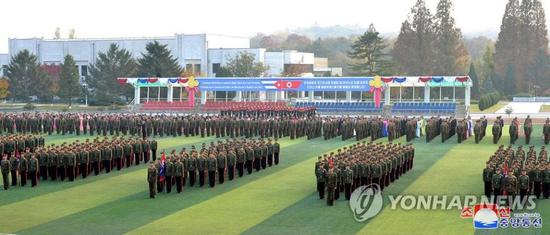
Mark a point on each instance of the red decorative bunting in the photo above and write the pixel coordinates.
(462, 79)
(425, 79)
(122, 81)
(387, 79)
(183, 80)
(152, 80)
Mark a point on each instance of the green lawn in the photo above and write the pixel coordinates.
(545, 108)
(278, 200)
(474, 108)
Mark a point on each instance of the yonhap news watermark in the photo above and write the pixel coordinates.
(487, 213)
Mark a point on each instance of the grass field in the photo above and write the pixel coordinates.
(545, 108)
(279, 200)
(474, 108)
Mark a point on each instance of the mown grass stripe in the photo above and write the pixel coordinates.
(137, 209)
(39, 209)
(236, 211)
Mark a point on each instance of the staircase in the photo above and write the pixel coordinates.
(386, 111)
(460, 111)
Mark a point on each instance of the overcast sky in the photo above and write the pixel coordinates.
(126, 18)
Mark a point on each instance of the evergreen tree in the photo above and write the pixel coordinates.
(109, 66)
(25, 77)
(475, 81)
(158, 62)
(69, 80)
(367, 51)
(413, 51)
(452, 56)
(523, 35)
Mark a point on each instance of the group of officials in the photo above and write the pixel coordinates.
(361, 164)
(519, 172)
(68, 161)
(230, 158)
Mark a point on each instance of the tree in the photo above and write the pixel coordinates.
(57, 34)
(244, 65)
(413, 51)
(4, 88)
(158, 62)
(475, 81)
(522, 35)
(69, 80)
(367, 51)
(110, 65)
(450, 51)
(540, 71)
(24, 76)
(72, 34)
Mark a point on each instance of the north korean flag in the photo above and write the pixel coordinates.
(282, 84)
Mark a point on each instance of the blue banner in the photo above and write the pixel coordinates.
(284, 84)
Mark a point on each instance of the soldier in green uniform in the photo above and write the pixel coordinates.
(320, 175)
(6, 168)
(537, 180)
(513, 131)
(168, 174)
(179, 169)
(154, 146)
(523, 185)
(201, 167)
(511, 187)
(546, 131)
(23, 168)
(527, 129)
(332, 181)
(152, 179)
(348, 179)
(487, 179)
(497, 185)
(231, 161)
(496, 131)
(241, 155)
(221, 162)
(70, 159)
(33, 168)
(211, 165)
(546, 180)
(276, 151)
(128, 153)
(43, 163)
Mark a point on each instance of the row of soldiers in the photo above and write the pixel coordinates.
(514, 128)
(361, 164)
(17, 143)
(230, 158)
(518, 172)
(68, 161)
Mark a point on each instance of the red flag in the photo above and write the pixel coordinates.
(162, 160)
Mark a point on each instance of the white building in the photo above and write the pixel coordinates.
(199, 53)
(4, 61)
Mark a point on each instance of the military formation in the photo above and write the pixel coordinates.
(361, 164)
(519, 172)
(79, 159)
(266, 110)
(229, 159)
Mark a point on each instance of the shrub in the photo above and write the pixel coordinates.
(29, 106)
(488, 100)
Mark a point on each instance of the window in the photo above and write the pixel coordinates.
(216, 67)
(84, 70)
(197, 68)
(189, 67)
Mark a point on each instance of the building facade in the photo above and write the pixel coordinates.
(202, 54)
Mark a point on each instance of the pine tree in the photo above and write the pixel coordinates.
(69, 80)
(158, 62)
(475, 81)
(367, 51)
(507, 50)
(111, 65)
(452, 56)
(413, 51)
(25, 77)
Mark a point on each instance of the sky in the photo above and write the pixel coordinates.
(126, 18)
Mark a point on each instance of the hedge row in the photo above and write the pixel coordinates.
(488, 100)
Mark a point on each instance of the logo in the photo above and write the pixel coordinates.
(491, 216)
(366, 202)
